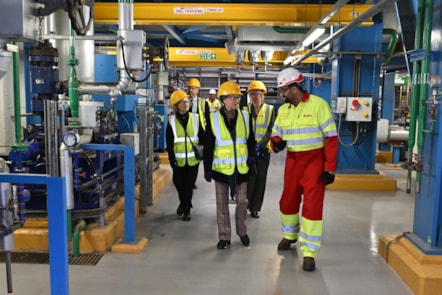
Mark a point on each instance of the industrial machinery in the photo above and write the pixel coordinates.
(73, 121)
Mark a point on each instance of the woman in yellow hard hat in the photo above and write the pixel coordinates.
(263, 117)
(229, 146)
(183, 128)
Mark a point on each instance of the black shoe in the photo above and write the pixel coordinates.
(186, 216)
(245, 241)
(180, 210)
(284, 244)
(254, 214)
(223, 244)
(309, 264)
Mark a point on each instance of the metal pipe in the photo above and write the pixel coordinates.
(66, 171)
(74, 99)
(78, 228)
(357, 21)
(8, 271)
(125, 22)
(415, 90)
(391, 45)
(425, 75)
(17, 107)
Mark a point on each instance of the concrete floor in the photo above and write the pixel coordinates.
(181, 257)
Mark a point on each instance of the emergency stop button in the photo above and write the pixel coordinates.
(355, 102)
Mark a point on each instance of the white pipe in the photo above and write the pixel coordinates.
(66, 171)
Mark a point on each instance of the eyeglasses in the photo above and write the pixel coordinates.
(283, 90)
(184, 101)
(234, 97)
(255, 93)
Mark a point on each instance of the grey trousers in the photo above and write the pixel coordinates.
(222, 210)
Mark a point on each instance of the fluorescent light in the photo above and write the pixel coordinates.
(313, 36)
(288, 59)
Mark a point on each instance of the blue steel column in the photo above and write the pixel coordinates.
(361, 158)
(427, 224)
(129, 185)
(58, 236)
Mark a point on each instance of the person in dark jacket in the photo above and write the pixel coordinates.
(263, 117)
(183, 128)
(229, 157)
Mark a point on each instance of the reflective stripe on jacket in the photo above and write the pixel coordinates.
(229, 154)
(262, 121)
(305, 126)
(182, 146)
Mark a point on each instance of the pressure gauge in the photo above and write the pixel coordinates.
(71, 138)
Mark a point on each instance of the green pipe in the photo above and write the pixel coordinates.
(391, 45)
(415, 89)
(69, 224)
(74, 100)
(78, 228)
(425, 72)
(17, 106)
(17, 146)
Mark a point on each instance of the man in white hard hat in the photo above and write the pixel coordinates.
(213, 103)
(305, 126)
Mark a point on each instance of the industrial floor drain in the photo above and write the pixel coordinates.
(43, 258)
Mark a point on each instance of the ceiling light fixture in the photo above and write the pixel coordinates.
(318, 32)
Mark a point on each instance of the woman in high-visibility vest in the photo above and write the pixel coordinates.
(263, 117)
(306, 126)
(183, 129)
(229, 153)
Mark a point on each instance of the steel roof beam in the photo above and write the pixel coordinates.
(228, 14)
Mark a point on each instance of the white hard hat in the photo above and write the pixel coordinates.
(289, 76)
(212, 91)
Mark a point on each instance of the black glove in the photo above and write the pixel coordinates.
(327, 177)
(253, 169)
(208, 176)
(278, 145)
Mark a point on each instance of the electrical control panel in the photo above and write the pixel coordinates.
(359, 109)
(341, 105)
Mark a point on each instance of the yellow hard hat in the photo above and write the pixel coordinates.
(257, 85)
(193, 82)
(229, 88)
(177, 96)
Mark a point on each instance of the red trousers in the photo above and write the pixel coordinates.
(301, 177)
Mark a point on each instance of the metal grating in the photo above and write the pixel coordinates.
(43, 258)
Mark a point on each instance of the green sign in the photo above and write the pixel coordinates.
(207, 56)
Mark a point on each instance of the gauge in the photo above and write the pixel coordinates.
(71, 138)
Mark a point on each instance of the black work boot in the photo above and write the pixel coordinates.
(284, 244)
(309, 264)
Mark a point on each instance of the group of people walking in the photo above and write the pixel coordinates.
(237, 146)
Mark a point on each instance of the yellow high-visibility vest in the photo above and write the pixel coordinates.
(182, 146)
(262, 121)
(227, 153)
